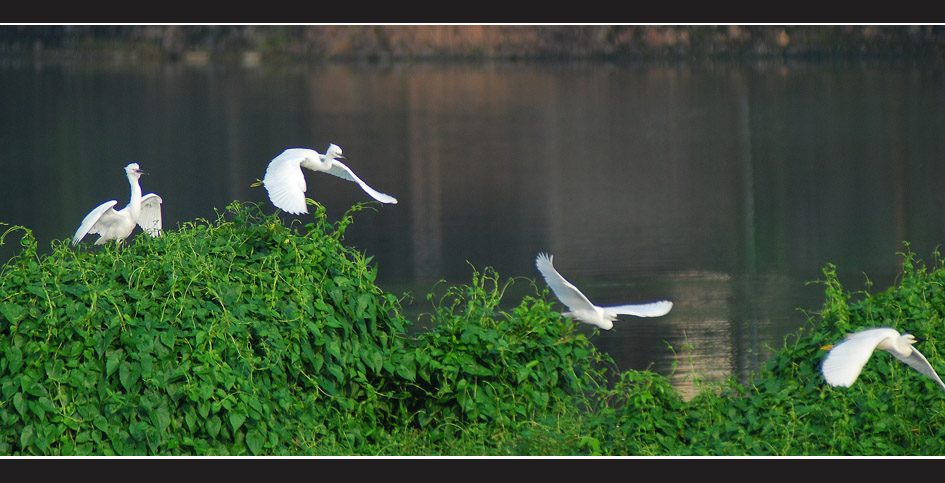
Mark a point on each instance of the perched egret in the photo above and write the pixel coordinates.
(845, 360)
(582, 309)
(111, 224)
(285, 181)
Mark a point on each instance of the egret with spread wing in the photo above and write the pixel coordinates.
(582, 309)
(111, 224)
(285, 182)
(845, 360)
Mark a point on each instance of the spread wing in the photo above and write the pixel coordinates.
(103, 212)
(340, 170)
(566, 292)
(918, 362)
(285, 182)
(150, 218)
(845, 361)
(652, 309)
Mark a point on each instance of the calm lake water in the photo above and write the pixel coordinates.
(723, 187)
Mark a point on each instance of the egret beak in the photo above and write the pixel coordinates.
(920, 339)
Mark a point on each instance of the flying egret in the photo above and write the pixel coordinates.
(845, 360)
(111, 224)
(582, 309)
(285, 181)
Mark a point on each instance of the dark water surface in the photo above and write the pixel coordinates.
(723, 187)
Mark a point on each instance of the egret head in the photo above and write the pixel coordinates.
(334, 152)
(912, 339)
(132, 170)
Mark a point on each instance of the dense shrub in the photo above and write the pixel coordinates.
(247, 336)
(231, 337)
(479, 362)
(891, 409)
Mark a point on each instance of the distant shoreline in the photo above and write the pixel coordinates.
(289, 43)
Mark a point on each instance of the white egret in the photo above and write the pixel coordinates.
(285, 181)
(111, 224)
(845, 360)
(582, 309)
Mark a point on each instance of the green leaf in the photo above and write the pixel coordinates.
(160, 418)
(236, 420)
(365, 300)
(407, 371)
(26, 436)
(328, 387)
(190, 418)
(14, 357)
(333, 348)
(203, 409)
(336, 371)
(35, 389)
(167, 338)
(43, 404)
(20, 404)
(255, 440)
(125, 375)
(146, 364)
(213, 426)
(13, 313)
(111, 362)
(100, 422)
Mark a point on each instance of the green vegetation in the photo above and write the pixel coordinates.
(244, 336)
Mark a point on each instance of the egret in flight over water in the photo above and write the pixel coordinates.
(845, 360)
(285, 181)
(111, 224)
(582, 309)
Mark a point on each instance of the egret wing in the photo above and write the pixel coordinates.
(845, 361)
(340, 170)
(652, 309)
(918, 362)
(566, 292)
(102, 211)
(285, 182)
(150, 218)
